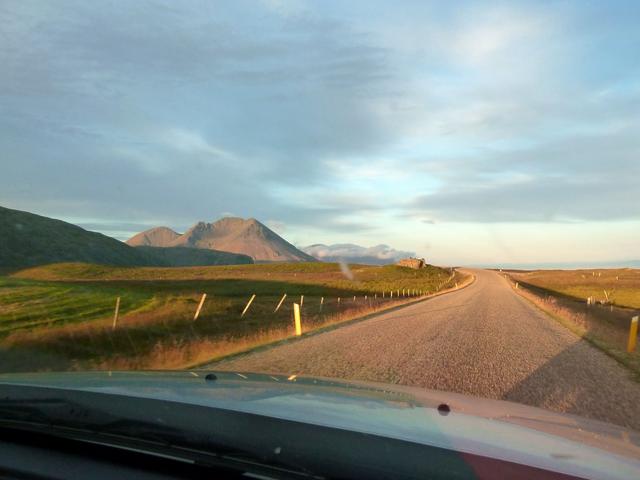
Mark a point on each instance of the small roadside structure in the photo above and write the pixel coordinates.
(416, 263)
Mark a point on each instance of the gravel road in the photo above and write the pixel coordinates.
(483, 340)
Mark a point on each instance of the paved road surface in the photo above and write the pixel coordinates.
(483, 340)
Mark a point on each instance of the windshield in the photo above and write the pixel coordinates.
(440, 195)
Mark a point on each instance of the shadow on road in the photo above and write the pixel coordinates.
(565, 382)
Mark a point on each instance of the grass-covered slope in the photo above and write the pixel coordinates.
(60, 316)
(191, 257)
(618, 286)
(27, 240)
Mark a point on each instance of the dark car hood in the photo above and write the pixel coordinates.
(497, 429)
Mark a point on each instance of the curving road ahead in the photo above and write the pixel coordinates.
(483, 340)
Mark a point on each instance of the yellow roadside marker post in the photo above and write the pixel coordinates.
(296, 319)
(321, 303)
(248, 305)
(197, 314)
(301, 300)
(633, 334)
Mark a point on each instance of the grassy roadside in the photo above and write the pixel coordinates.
(60, 317)
(457, 282)
(615, 286)
(605, 327)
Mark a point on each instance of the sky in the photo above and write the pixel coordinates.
(468, 133)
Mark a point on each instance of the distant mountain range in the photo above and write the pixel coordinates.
(27, 240)
(350, 253)
(154, 237)
(230, 234)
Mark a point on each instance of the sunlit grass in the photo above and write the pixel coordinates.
(27, 304)
(622, 285)
(64, 312)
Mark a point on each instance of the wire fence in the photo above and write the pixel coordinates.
(185, 324)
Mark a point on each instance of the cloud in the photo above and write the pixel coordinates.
(181, 115)
(579, 178)
(192, 142)
(346, 252)
(356, 120)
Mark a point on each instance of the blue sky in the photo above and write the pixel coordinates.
(467, 132)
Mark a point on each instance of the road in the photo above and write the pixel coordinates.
(482, 340)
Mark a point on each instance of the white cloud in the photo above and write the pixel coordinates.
(285, 8)
(379, 254)
(490, 34)
(345, 123)
(192, 142)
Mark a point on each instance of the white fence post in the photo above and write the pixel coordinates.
(115, 315)
(280, 303)
(248, 305)
(195, 317)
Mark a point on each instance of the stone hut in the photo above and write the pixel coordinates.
(416, 263)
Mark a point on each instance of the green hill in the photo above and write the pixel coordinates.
(28, 240)
(191, 257)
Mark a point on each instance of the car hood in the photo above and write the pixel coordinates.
(496, 429)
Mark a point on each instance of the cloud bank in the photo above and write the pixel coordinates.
(349, 253)
(330, 119)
